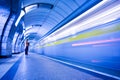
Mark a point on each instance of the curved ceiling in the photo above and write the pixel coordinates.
(46, 14)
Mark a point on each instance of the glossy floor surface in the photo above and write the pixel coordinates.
(37, 67)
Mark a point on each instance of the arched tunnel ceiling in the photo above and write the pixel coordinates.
(47, 17)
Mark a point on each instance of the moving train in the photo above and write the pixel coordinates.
(91, 40)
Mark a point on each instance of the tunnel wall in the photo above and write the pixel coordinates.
(4, 22)
(99, 46)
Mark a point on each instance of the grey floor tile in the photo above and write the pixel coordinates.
(36, 67)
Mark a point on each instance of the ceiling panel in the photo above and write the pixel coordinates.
(49, 18)
(28, 2)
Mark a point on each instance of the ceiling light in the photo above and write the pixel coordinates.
(19, 18)
(31, 7)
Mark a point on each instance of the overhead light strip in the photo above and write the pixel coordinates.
(31, 7)
(22, 13)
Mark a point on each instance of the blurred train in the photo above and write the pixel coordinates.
(91, 40)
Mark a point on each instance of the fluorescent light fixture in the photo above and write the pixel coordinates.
(19, 18)
(104, 17)
(31, 30)
(26, 34)
(31, 7)
(22, 13)
(27, 28)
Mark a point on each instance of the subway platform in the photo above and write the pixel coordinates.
(38, 67)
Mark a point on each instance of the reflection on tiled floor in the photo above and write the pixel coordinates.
(7, 63)
(36, 67)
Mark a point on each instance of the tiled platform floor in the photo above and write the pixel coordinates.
(7, 63)
(37, 67)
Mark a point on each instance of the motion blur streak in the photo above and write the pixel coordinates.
(96, 42)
